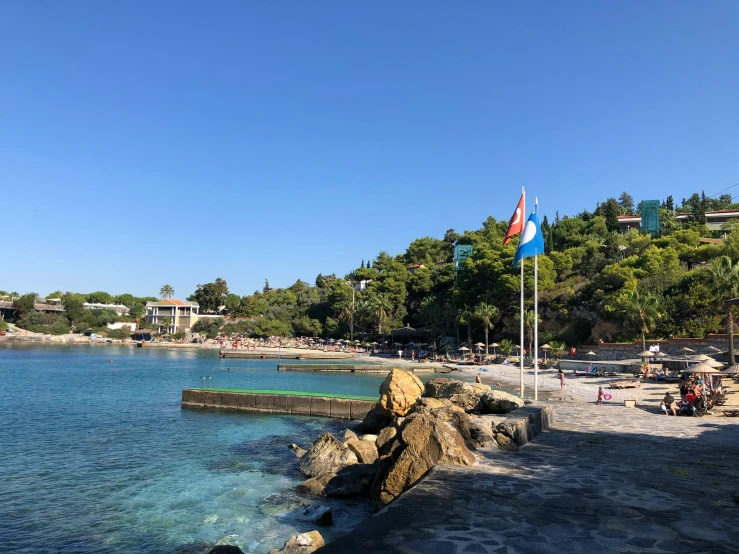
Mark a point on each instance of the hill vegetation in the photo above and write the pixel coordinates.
(594, 284)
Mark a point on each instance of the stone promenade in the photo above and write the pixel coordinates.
(604, 479)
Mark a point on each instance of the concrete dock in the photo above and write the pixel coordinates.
(279, 402)
(351, 368)
(292, 354)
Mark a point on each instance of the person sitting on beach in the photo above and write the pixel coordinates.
(669, 402)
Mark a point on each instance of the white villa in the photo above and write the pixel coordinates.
(172, 316)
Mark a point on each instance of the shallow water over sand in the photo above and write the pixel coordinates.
(99, 456)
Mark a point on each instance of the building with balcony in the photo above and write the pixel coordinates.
(172, 316)
(718, 220)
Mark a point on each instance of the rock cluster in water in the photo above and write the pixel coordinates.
(410, 430)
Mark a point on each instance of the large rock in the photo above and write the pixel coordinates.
(354, 480)
(304, 543)
(326, 457)
(499, 402)
(446, 388)
(398, 393)
(440, 436)
(365, 451)
(375, 421)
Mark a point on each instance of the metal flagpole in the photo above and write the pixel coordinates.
(523, 214)
(536, 313)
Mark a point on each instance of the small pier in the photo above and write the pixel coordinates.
(279, 402)
(287, 355)
(340, 368)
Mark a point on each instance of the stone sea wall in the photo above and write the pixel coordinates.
(623, 351)
(339, 408)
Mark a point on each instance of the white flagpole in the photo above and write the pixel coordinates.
(523, 215)
(536, 316)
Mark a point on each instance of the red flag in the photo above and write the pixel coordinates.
(515, 225)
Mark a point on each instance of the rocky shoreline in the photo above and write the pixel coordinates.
(411, 429)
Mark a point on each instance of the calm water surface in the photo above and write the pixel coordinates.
(99, 457)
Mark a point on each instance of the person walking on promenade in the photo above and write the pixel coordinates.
(561, 375)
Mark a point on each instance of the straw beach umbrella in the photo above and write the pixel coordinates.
(545, 347)
(731, 370)
(494, 345)
(686, 350)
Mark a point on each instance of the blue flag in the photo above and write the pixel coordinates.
(532, 241)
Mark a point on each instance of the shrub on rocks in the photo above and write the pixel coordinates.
(398, 393)
(326, 456)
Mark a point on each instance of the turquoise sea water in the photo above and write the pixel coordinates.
(99, 457)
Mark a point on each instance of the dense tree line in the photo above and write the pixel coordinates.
(594, 284)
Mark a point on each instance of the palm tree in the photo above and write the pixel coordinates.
(528, 325)
(558, 348)
(642, 310)
(166, 291)
(723, 283)
(167, 321)
(507, 346)
(486, 313)
(466, 317)
(381, 306)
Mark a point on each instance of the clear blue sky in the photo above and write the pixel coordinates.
(144, 143)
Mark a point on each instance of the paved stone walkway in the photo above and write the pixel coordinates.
(605, 479)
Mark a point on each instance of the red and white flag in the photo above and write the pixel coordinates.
(515, 225)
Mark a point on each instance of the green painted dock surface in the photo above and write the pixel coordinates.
(294, 393)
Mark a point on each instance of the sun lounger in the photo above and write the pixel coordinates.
(731, 413)
(624, 384)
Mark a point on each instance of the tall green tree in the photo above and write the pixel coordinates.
(723, 282)
(467, 317)
(380, 306)
(486, 313)
(528, 324)
(166, 291)
(643, 311)
(626, 202)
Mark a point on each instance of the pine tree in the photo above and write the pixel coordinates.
(362, 266)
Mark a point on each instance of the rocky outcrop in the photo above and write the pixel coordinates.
(426, 439)
(295, 449)
(375, 421)
(304, 543)
(398, 393)
(326, 456)
(499, 402)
